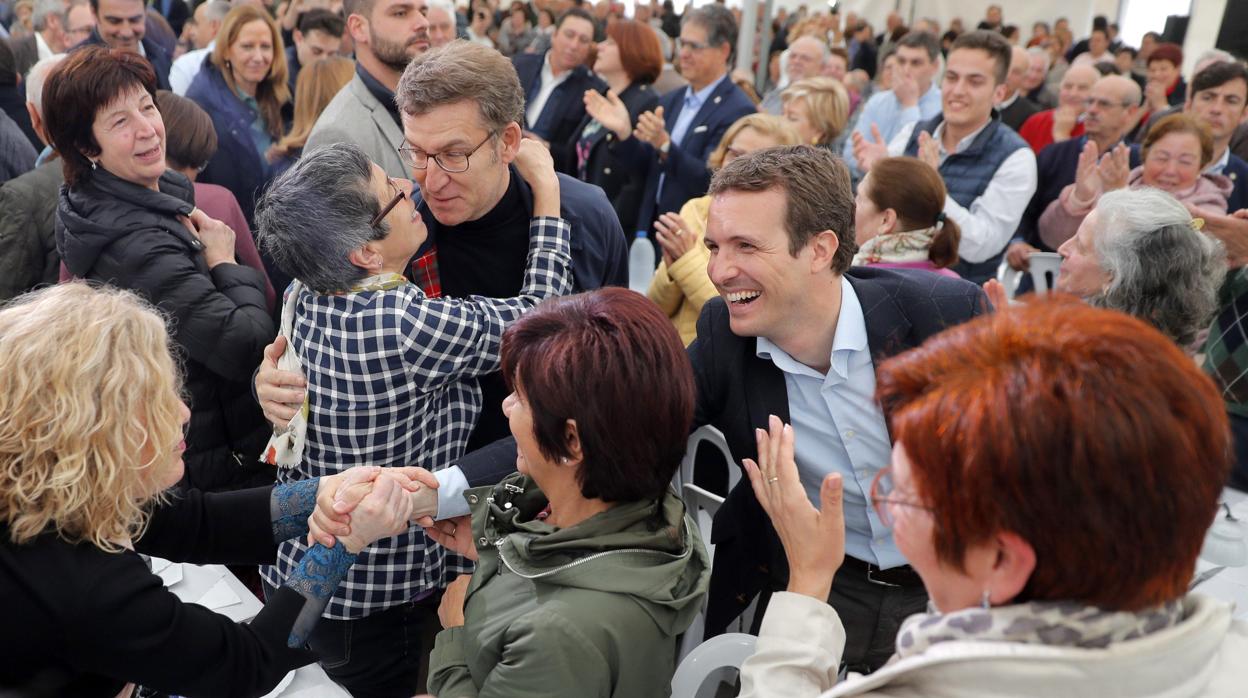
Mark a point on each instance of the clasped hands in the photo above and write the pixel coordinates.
(364, 504)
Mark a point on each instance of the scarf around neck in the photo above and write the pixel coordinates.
(901, 247)
(1052, 623)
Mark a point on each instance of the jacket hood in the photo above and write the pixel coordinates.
(649, 550)
(103, 208)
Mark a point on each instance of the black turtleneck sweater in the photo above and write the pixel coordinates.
(487, 257)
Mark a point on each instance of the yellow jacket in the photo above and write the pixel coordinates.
(684, 288)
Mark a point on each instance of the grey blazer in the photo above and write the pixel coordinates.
(354, 115)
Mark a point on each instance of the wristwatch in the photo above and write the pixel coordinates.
(667, 145)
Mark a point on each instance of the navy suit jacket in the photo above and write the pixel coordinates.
(737, 391)
(560, 120)
(1237, 171)
(685, 165)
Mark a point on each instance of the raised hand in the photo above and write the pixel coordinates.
(1114, 169)
(280, 392)
(1064, 120)
(905, 88)
(610, 112)
(929, 150)
(537, 167)
(1088, 186)
(866, 152)
(674, 237)
(995, 291)
(813, 539)
(651, 128)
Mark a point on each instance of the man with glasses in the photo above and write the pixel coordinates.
(387, 35)
(391, 378)
(805, 59)
(1109, 113)
(555, 82)
(462, 107)
(671, 143)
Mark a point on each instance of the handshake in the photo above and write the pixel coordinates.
(364, 504)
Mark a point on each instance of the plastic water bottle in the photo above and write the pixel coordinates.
(640, 263)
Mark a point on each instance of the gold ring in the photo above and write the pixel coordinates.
(773, 479)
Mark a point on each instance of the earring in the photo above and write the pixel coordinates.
(984, 601)
(94, 164)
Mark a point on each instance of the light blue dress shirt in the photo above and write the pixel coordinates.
(885, 111)
(839, 428)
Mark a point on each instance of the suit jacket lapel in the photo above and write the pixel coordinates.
(888, 328)
(765, 390)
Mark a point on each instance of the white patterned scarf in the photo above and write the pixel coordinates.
(1053, 623)
(903, 247)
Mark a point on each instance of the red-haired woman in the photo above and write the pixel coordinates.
(1057, 538)
(629, 60)
(592, 567)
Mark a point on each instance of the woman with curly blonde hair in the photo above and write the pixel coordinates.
(90, 440)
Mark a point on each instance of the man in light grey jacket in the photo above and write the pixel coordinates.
(387, 35)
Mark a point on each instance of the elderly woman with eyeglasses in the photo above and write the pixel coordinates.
(391, 373)
(1057, 538)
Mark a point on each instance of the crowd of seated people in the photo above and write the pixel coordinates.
(328, 291)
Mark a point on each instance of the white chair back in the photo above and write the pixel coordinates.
(1041, 266)
(729, 650)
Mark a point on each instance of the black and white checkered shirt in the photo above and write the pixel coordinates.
(391, 382)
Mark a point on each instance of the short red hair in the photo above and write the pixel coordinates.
(612, 361)
(1167, 52)
(1085, 431)
(640, 53)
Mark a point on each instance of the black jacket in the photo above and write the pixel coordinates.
(28, 255)
(120, 233)
(622, 184)
(561, 117)
(82, 622)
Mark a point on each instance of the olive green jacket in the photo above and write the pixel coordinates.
(589, 610)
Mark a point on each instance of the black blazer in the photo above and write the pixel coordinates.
(685, 165)
(622, 184)
(561, 118)
(737, 391)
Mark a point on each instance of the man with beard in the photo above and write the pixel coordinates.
(387, 35)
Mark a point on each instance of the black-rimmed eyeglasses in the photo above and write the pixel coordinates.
(385, 211)
(452, 161)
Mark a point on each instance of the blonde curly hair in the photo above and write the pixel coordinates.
(90, 413)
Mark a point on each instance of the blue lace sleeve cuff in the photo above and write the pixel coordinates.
(316, 578)
(290, 506)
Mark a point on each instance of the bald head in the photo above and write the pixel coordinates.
(1020, 63)
(1076, 85)
(1112, 105)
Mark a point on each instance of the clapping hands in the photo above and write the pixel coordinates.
(866, 152)
(609, 111)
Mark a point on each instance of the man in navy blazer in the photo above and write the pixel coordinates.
(673, 142)
(797, 334)
(554, 85)
(122, 24)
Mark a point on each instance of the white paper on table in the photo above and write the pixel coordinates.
(281, 686)
(219, 596)
(170, 574)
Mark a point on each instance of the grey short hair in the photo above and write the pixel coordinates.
(1043, 53)
(37, 76)
(317, 212)
(720, 25)
(45, 8)
(1162, 270)
(445, 5)
(463, 70)
(216, 10)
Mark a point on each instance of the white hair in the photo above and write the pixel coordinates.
(445, 5)
(1162, 270)
(36, 77)
(45, 8)
(1043, 53)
